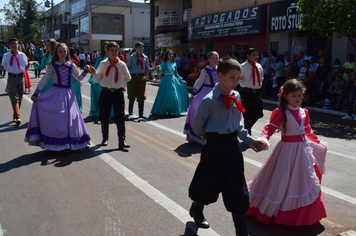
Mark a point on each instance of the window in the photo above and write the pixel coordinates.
(74, 32)
(274, 46)
(156, 10)
(84, 26)
(106, 25)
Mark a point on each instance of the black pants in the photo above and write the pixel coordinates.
(111, 97)
(221, 169)
(253, 105)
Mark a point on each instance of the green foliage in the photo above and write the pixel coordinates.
(23, 18)
(329, 17)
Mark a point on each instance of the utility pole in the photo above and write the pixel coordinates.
(52, 21)
(152, 29)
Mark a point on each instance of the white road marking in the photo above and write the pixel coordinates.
(1, 231)
(157, 196)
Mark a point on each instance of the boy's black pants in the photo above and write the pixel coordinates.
(110, 97)
(221, 169)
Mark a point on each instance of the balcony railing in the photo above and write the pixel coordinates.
(187, 14)
(167, 19)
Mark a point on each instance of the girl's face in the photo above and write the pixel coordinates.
(170, 55)
(62, 53)
(294, 99)
(113, 52)
(292, 59)
(214, 60)
(48, 46)
(305, 64)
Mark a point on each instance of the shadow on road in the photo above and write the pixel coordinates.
(188, 149)
(11, 126)
(256, 228)
(58, 159)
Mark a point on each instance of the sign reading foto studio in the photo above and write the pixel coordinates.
(284, 16)
(231, 23)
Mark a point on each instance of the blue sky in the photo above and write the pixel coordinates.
(55, 2)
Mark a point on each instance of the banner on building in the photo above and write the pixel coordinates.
(231, 23)
(284, 16)
(169, 39)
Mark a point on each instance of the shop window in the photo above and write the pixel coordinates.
(74, 31)
(273, 46)
(156, 10)
(84, 25)
(106, 25)
(241, 47)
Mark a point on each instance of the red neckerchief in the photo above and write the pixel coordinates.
(228, 99)
(17, 59)
(116, 70)
(139, 60)
(254, 68)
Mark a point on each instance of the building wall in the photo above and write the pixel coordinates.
(167, 6)
(140, 25)
(206, 7)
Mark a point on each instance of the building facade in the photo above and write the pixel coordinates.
(92, 22)
(171, 24)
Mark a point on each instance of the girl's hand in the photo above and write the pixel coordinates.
(191, 98)
(34, 99)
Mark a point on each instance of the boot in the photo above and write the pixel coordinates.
(105, 132)
(240, 224)
(39, 74)
(16, 115)
(196, 211)
(121, 135)
(131, 105)
(35, 73)
(140, 109)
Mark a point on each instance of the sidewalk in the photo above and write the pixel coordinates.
(316, 109)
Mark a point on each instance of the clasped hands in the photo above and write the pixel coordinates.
(259, 145)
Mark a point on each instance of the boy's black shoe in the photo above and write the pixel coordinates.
(196, 211)
(105, 142)
(123, 144)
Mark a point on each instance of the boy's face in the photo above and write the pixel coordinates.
(13, 45)
(253, 56)
(229, 81)
(139, 49)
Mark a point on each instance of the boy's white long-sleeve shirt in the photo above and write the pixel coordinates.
(109, 81)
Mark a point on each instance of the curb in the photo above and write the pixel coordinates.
(316, 109)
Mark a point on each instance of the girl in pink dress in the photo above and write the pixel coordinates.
(286, 190)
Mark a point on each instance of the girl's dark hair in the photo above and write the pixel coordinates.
(338, 61)
(194, 56)
(71, 52)
(279, 58)
(165, 58)
(53, 44)
(289, 86)
(55, 57)
(103, 52)
(212, 53)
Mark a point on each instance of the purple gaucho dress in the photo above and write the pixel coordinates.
(208, 78)
(56, 123)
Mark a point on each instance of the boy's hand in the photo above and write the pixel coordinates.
(258, 145)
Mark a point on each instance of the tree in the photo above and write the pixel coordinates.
(327, 17)
(23, 17)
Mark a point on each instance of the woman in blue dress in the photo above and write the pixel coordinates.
(172, 96)
(95, 88)
(51, 45)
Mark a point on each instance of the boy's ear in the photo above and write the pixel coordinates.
(220, 75)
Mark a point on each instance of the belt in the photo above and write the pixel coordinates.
(139, 74)
(15, 75)
(250, 90)
(113, 89)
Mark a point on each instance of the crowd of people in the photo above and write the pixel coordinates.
(225, 92)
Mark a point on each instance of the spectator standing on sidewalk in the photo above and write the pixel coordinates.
(352, 98)
(3, 50)
(279, 72)
(292, 69)
(347, 69)
(38, 55)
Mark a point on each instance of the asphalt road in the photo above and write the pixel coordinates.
(104, 191)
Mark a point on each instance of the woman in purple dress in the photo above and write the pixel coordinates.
(56, 123)
(207, 79)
